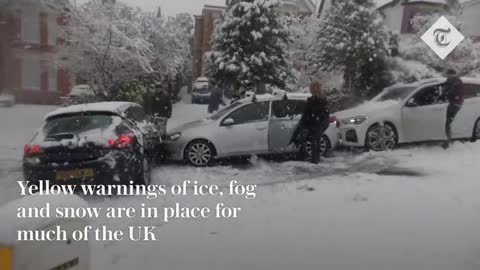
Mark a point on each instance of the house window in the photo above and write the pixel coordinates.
(52, 29)
(31, 74)
(31, 26)
(410, 27)
(52, 77)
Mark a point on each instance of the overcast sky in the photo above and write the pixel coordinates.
(171, 7)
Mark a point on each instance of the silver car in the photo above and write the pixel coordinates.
(254, 125)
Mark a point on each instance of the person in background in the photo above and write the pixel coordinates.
(216, 98)
(158, 104)
(238, 95)
(314, 121)
(162, 104)
(455, 95)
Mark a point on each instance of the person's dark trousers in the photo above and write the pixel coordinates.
(452, 111)
(315, 141)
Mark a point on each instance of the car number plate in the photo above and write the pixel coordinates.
(75, 174)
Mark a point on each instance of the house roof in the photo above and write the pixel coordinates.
(384, 3)
(307, 4)
(469, 2)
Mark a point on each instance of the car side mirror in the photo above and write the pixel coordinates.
(228, 122)
(411, 103)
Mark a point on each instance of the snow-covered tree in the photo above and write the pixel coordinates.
(465, 58)
(171, 40)
(353, 39)
(303, 32)
(113, 44)
(104, 44)
(249, 48)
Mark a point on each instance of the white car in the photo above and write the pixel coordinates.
(408, 113)
(7, 100)
(262, 124)
(79, 92)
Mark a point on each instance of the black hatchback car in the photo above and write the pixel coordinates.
(97, 143)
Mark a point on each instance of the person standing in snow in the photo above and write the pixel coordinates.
(454, 91)
(216, 98)
(314, 121)
(162, 104)
(158, 104)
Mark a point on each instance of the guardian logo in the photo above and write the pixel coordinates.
(442, 37)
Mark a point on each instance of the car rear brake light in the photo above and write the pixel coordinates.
(32, 150)
(123, 141)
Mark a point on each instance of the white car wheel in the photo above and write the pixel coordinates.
(381, 138)
(199, 153)
(324, 146)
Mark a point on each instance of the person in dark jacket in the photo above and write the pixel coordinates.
(314, 121)
(216, 98)
(162, 104)
(455, 95)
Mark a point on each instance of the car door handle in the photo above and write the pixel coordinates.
(261, 127)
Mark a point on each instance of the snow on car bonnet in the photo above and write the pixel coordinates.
(11, 224)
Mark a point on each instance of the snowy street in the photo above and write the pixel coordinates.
(239, 135)
(413, 208)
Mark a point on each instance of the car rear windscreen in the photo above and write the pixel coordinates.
(76, 124)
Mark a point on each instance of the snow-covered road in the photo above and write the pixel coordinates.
(413, 208)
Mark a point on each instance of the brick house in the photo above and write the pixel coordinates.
(471, 22)
(205, 26)
(28, 45)
(399, 13)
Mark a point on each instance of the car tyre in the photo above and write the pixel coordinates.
(325, 146)
(476, 131)
(381, 138)
(199, 153)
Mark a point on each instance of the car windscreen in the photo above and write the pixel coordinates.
(395, 93)
(225, 110)
(77, 124)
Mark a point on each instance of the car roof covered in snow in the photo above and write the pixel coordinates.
(202, 79)
(436, 80)
(11, 224)
(107, 107)
(276, 96)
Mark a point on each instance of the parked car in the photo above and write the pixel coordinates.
(7, 99)
(81, 94)
(408, 113)
(101, 143)
(261, 124)
(201, 91)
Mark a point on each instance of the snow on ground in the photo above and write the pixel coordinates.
(413, 208)
(17, 126)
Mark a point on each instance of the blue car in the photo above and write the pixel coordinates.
(201, 91)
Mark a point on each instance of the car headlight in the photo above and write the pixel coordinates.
(174, 136)
(354, 120)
